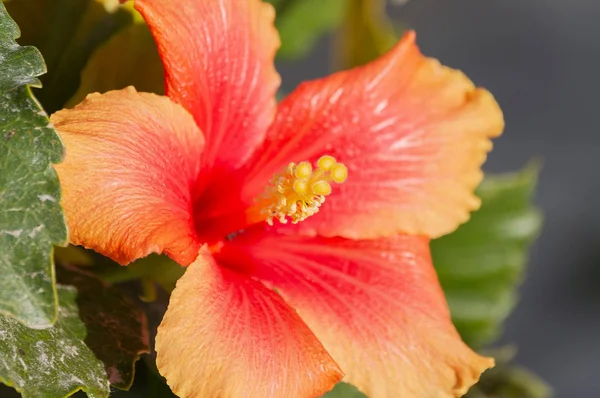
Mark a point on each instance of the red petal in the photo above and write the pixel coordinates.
(376, 306)
(219, 64)
(412, 133)
(225, 335)
(131, 162)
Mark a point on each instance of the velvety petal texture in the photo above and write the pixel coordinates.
(219, 64)
(131, 162)
(412, 133)
(376, 306)
(145, 173)
(225, 335)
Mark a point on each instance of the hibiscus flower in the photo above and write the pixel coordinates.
(305, 225)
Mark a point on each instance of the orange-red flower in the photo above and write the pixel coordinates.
(285, 310)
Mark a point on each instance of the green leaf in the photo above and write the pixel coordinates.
(507, 380)
(54, 362)
(148, 383)
(365, 34)
(31, 219)
(154, 268)
(344, 390)
(66, 32)
(73, 255)
(302, 22)
(129, 58)
(116, 327)
(482, 262)
(510, 382)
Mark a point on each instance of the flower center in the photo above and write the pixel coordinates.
(299, 190)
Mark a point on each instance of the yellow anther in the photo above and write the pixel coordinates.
(300, 187)
(303, 170)
(326, 162)
(321, 188)
(298, 191)
(339, 173)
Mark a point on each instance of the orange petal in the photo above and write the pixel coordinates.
(131, 160)
(219, 64)
(376, 306)
(413, 135)
(225, 335)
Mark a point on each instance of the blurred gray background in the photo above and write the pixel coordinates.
(541, 59)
